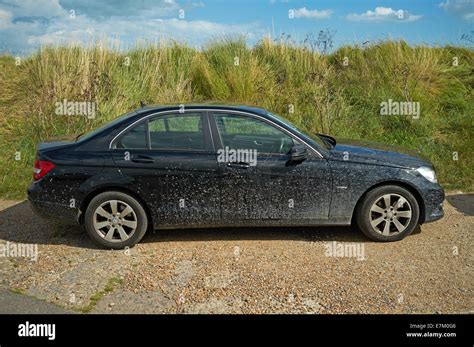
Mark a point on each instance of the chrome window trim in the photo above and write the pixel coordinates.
(217, 110)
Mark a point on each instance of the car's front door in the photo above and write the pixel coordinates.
(263, 187)
(171, 157)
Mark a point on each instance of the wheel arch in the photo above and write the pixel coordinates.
(401, 184)
(90, 195)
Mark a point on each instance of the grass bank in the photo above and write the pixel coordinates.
(339, 94)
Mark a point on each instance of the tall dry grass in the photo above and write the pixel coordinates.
(324, 94)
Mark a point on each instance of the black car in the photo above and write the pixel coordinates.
(217, 166)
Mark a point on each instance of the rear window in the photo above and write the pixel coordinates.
(134, 138)
(177, 132)
(170, 132)
(104, 127)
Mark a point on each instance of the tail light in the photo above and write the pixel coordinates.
(41, 169)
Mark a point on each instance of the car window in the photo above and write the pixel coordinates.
(103, 128)
(133, 138)
(241, 132)
(314, 138)
(177, 131)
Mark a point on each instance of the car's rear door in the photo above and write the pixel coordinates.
(270, 189)
(172, 159)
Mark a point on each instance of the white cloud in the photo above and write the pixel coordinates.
(82, 29)
(200, 27)
(122, 8)
(303, 12)
(36, 8)
(198, 4)
(460, 8)
(23, 29)
(5, 19)
(384, 14)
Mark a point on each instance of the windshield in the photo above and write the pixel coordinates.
(302, 132)
(83, 137)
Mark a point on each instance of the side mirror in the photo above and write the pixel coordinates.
(298, 153)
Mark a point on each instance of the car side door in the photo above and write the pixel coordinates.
(171, 158)
(271, 188)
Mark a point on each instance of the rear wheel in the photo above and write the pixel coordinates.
(388, 213)
(115, 220)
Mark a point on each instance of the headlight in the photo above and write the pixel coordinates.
(428, 173)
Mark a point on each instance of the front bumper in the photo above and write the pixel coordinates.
(433, 200)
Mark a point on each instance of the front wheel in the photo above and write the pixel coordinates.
(115, 220)
(388, 213)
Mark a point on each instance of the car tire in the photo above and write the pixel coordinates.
(124, 228)
(388, 213)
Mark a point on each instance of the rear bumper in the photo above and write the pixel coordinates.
(48, 209)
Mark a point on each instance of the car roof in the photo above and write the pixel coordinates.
(227, 107)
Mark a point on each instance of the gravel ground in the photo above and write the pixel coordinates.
(279, 270)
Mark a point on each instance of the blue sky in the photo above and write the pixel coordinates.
(27, 24)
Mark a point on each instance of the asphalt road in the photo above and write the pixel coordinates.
(15, 303)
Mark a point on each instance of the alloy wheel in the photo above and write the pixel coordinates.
(115, 221)
(390, 214)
